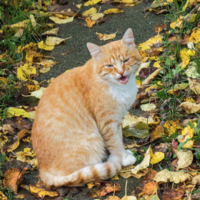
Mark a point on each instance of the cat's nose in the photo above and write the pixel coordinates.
(121, 72)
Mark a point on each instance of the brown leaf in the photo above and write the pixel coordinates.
(160, 28)
(19, 123)
(174, 145)
(150, 188)
(172, 194)
(145, 72)
(157, 133)
(12, 178)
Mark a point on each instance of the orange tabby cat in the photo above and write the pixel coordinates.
(80, 114)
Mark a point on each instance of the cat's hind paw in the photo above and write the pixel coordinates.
(128, 158)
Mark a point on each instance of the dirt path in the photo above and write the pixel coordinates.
(133, 17)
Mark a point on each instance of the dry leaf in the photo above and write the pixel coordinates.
(150, 188)
(185, 158)
(51, 41)
(196, 180)
(96, 16)
(23, 72)
(194, 85)
(148, 107)
(17, 112)
(38, 93)
(157, 133)
(152, 76)
(2, 196)
(129, 198)
(39, 192)
(53, 32)
(89, 12)
(105, 36)
(113, 198)
(190, 107)
(19, 33)
(144, 164)
(45, 69)
(172, 127)
(89, 22)
(143, 65)
(157, 157)
(62, 21)
(160, 28)
(166, 176)
(195, 36)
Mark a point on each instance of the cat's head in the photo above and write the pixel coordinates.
(117, 61)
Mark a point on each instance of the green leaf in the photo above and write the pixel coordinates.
(2, 157)
(133, 132)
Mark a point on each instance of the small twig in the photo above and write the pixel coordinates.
(126, 188)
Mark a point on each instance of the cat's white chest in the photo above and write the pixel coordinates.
(125, 94)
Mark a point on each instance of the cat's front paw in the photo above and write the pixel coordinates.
(128, 158)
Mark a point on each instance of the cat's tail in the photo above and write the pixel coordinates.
(99, 171)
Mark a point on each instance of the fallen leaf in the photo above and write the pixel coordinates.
(150, 188)
(17, 112)
(133, 132)
(12, 178)
(112, 10)
(157, 157)
(42, 45)
(148, 107)
(144, 164)
(89, 12)
(143, 65)
(20, 135)
(190, 107)
(105, 36)
(195, 36)
(19, 33)
(172, 194)
(44, 70)
(160, 28)
(185, 158)
(52, 32)
(23, 72)
(194, 85)
(196, 180)
(89, 22)
(113, 198)
(174, 145)
(191, 72)
(185, 55)
(152, 76)
(129, 198)
(2, 196)
(62, 21)
(167, 176)
(96, 16)
(39, 192)
(157, 133)
(51, 41)
(172, 127)
(91, 2)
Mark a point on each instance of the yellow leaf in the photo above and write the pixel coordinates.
(157, 157)
(44, 70)
(138, 82)
(25, 71)
(39, 191)
(155, 86)
(3, 80)
(91, 2)
(156, 40)
(148, 107)
(157, 65)
(16, 112)
(180, 86)
(20, 135)
(89, 12)
(53, 31)
(47, 63)
(188, 133)
(2, 196)
(51, 41)
(185, 55)
(152, 76)
(105, 36)
(172, 127)
(195, 36)
(89, 22)
(125, 1)
(22, 24)
(178, 23)
(62, 21)
(189, 99)
(19, 33)
(188, 3)
(96, 16)
(112, 10)
(42, 45)
(33, 22)
(116, 177)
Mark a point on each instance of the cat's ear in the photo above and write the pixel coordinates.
(128, 38)
(94, 50)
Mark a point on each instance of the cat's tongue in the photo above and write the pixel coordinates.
(123, 79)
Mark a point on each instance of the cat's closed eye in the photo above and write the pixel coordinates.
(125, 61)
(109, 65)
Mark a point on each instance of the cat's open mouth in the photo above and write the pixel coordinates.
(123, 79)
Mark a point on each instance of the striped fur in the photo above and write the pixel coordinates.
(80, 113)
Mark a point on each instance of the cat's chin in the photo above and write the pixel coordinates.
(123, 80)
